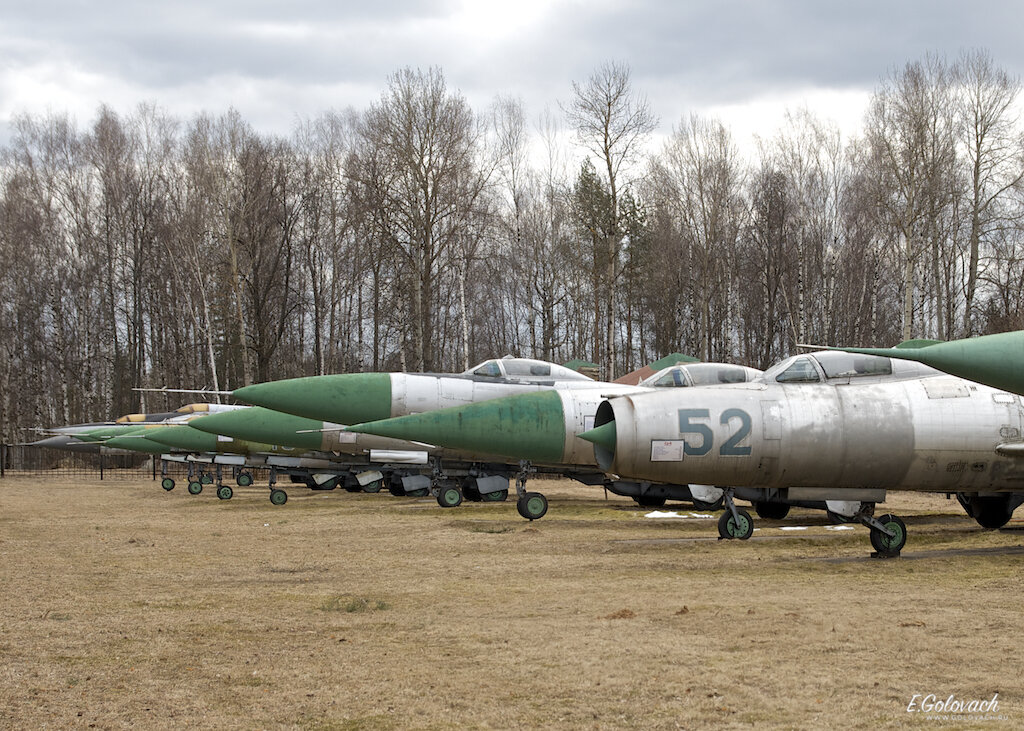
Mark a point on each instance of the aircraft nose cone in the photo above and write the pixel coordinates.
(263, 425)
(136, 444)
(526, 426)
(602, 436)
(347, 398)
(182, 437)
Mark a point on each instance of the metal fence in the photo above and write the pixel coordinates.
(25, 459)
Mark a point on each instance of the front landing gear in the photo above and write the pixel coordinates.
(739, 525)
(735, 522)
(888, 536)
(449, 496)
(167, 483)
(531, 505)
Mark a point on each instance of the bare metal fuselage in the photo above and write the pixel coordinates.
(932, 434)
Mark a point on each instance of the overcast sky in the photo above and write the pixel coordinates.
(742, 61)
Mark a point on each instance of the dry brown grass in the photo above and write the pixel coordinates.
(124, 605)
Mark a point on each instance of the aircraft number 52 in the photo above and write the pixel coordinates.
(731, 446)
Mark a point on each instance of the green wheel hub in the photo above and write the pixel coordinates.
(167, 483)
(224, 492)
(532, 506)
(422, 492)
(449, 497)
(498, 496)
(278, 497)
(244, 479)
(195, 487)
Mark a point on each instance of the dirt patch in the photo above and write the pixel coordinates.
(123, 605)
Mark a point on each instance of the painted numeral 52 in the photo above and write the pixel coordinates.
(731, 447)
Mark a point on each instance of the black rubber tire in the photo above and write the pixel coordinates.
(472, 494)
(883, 544)
(167, 483)
(206, 479)
(224, 492)
(449, 497)
(498, 496)
(421, 492)
(278, 497)
(649, 501)
(729, 529)
(532, 506)
(244, 479)
(771, 511)
(195, 487)
(373, 487)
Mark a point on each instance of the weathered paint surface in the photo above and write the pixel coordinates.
(936, 433)
(346, 398)
(494, 427)
(259, 424)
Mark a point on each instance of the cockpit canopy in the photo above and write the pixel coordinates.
(700, 374)
(525, 369)
(833, 365)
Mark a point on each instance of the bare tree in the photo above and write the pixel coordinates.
(612, 122)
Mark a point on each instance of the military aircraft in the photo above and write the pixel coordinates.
(993, 360)
(818, 426)
(352, 398)
(544, 433)
(833, 420)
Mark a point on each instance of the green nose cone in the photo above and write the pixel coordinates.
(529, 426)
(994, 360)
(602, 436)
(182, 437)
(136, 444)
(347, 398)
(105, 433)
(263, 425)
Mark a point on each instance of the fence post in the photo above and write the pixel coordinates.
(101, 466)
(3, 459)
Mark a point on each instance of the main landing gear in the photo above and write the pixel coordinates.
(888, 533)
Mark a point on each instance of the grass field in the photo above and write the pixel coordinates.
(123, 605)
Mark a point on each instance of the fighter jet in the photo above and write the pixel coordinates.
(542, 428)
(827, 420)
(824, 425)
(353, 398)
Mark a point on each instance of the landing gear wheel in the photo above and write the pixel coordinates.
(167, 483)
(206, 479)
(449, 497)
(729, 527)
(278, 497)
(532, 506)
(395, 488)
(244, 479)
(889, 545)
(498, 496)
(421, 492)
(472, 494)
(771, 511)
(195, 487)
(649, 501)
(224, 492)
(372, 487)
